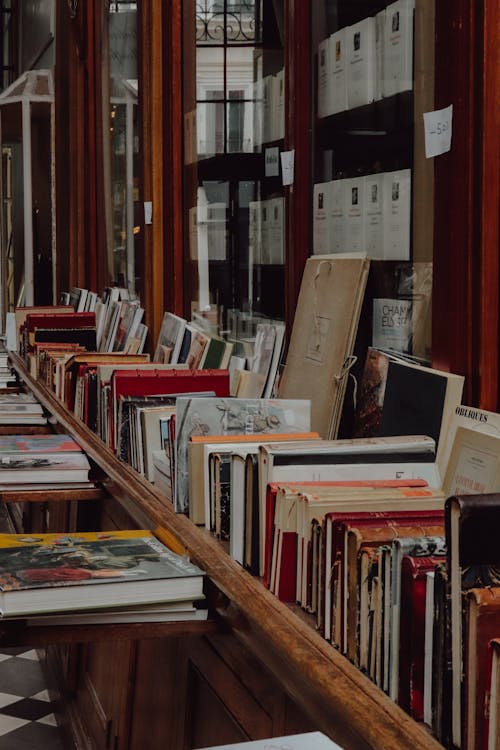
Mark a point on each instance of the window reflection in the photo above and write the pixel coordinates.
(234, 111)
(123, 230)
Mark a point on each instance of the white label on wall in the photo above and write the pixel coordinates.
(438, 128)
(287, 165)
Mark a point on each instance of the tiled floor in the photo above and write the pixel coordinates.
(27, 721)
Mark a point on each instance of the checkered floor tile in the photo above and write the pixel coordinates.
(27, 721)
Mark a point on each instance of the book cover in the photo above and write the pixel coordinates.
(322, 339)
(117, 568)
(50, 443)
(337, 72)
(361, 65)
(482, 610)
(398, 47)
(411, 667)
(474, 463)
(307, 741)
(471, 530)
(43, 467)
(223, 416)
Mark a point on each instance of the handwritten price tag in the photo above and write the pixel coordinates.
(438, 127)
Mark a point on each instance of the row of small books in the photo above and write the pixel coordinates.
(129, 576)
(196, 343)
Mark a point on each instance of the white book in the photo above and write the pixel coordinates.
(428, 646)
(472, 418)
(337, 75)
(397, 205)
(325, 104)
(278, 108)
(337, 223)
(258, 91)
(379, 55)
(321, 218)
(355, 216)
(216, 231)
(360, 57)
(265, 230)
(276, 231)
(267, 88)
(254, 233)
(398, 47)
(374, 215)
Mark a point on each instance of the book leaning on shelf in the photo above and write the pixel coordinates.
(44, 574)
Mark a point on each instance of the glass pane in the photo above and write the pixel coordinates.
(373, 188)
(123, 231)
(234, 204)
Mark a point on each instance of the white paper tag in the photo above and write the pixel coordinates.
(272, 162)
(287, 165)
(148, 212)
(438, 129)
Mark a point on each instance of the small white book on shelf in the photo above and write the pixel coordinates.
(276, 229)
(360, 45)
(337, 228)
(379, 55)
(355, 215)
(278, 109)
(398, 47)
(374, 215)
(397, 209)
(337, 71)
(321, 218)
(324, 89)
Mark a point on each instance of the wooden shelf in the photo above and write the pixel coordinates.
(336, 696)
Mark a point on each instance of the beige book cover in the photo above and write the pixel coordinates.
(323, 335)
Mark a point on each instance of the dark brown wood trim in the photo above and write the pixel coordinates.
(298, 93)
(174, 161)
(452, 288)
(153, 76)
(487, 238)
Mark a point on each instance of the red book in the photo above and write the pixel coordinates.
(155, 382)
(482, 610)
(412, 633)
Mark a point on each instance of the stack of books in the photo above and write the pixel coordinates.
(18, 408)
(87, 577)
(42, 462)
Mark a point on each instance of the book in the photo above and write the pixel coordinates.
(337, 72)
(482, 610)
(199, 449)
(422, 546)
(474, 463)
(472, 418)
(411, 666)
(397, 397)
(307, 741)
(29, 467)
(226, 416)
(323, 333)
(398, 47)
(173, 612)
(50, 443)
(45, 573)
(360, 61)
(471, 525)
(397, 213)
(492, 702)
(22, 311)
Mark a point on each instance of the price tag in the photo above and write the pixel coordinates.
(438, 127)
(272, 162)
(287, 166)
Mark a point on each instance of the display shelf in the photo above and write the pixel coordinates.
(335, 695)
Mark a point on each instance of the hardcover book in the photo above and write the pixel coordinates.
(28, 468)
(45, 573)
(471, 525)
